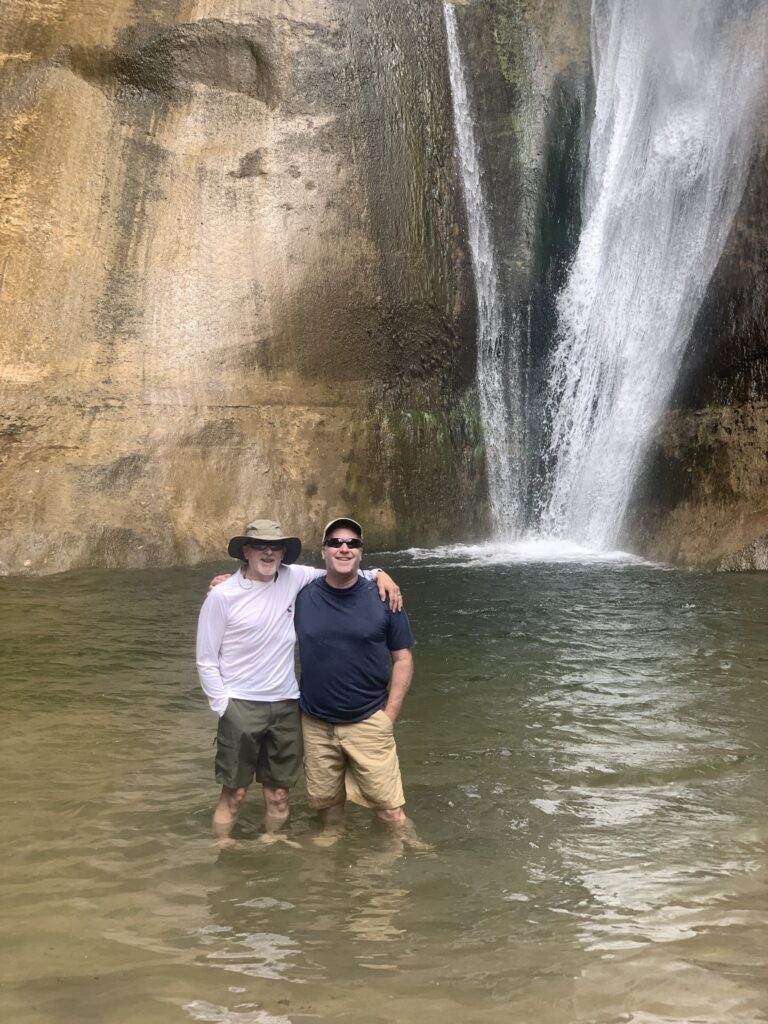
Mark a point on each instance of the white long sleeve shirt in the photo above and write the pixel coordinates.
(245, 637)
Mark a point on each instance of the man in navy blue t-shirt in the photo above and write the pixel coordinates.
(356, 667)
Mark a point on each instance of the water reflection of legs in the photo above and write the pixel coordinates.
(376, 903)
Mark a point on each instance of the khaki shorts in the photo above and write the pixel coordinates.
(259, 738)
(356, 761)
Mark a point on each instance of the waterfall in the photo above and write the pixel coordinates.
(676, 85)
(497, 358)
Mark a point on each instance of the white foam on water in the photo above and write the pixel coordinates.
(528, 549)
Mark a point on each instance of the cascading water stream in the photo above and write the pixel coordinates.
(497, 372)
(676, 85)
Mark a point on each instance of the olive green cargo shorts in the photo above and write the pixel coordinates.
(260, 739)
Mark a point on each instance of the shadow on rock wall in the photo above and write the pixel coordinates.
(233, 277)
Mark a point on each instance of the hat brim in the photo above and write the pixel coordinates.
(291, 553)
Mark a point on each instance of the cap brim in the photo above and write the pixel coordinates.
(343, 521)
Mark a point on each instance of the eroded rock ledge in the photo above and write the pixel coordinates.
(707, 489)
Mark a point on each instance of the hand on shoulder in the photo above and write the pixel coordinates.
(219, 579)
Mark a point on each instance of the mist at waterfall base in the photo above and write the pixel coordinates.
(584, 746)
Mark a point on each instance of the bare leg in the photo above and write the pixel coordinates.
(392, 816)
(333, 815)
(227, 811)
(333, 821)
(277, 810)
(396, 819)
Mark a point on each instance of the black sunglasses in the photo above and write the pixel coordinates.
(336, 542)
(262, 545)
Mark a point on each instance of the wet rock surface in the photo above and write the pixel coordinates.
(706, 487)
(752, 557)
(233, 278)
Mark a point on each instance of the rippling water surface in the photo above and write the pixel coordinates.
(584, 745)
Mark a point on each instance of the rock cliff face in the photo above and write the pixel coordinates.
(232, 278)
(233, 269)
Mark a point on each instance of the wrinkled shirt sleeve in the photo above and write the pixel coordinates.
(210, 633)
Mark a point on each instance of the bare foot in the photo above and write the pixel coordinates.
(327, 838)
(407, 833)
(419, 846)
(270, 838)
(225, 843)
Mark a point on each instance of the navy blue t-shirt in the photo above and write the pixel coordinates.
(345, 637)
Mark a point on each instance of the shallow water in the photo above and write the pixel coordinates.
(584, 745)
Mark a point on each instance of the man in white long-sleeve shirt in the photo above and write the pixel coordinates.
(245, 640)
